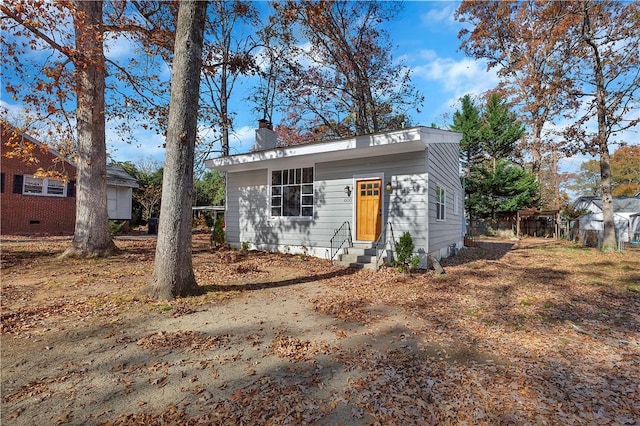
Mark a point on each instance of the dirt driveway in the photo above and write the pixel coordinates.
(515, 332)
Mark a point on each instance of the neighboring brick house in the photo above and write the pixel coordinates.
(31, 205)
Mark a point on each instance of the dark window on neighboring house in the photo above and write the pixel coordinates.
(1, 182)
(17, 184)
(71, 189)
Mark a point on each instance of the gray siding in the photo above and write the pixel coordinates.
(246, 213)
(248, 217)
(249, 220)
(404, 206)
(409, 206)
(444, 171)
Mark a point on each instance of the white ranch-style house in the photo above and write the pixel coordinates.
(347, 199)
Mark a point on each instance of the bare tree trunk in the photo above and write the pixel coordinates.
(555, 178)
(224, 113)
(609, 230)
(91, 237)
(536, 151)
(173, 270)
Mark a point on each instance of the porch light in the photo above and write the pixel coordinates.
(347, 190)
(388, 187)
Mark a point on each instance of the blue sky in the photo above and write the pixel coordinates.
(425, 36)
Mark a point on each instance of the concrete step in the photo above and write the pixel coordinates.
(357, 258)
(361, 251)
(362, 245)
(356, 265)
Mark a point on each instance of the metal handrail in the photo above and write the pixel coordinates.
(381, 243)
(341, 236)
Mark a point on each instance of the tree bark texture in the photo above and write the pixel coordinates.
(609, 231)
(173, 269)
(91, 237)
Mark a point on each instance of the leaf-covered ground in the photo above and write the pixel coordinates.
(515, 332)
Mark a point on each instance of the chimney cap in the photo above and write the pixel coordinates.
(263, 123)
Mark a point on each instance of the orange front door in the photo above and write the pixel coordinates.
(368, 209)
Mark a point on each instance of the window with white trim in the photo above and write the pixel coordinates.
(456, 203)
(440, 203)
(292, 192)
(47, 186)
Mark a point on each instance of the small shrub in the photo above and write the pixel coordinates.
(244, 245)
(406, 260)
(115, 227)
(415, 262)
(305, 253)
(217, 235)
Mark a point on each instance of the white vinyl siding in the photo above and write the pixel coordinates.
(247, 214)
(411, 166)
(119, 202)
(444, 172)
(249, 219)
(404, 206)
(456, 203)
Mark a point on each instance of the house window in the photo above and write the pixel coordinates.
(292, 192)
(47, 186)
(440, 203)
(456, 203)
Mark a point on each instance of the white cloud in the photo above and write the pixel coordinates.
(147, 144)
(14, 112)
(427, 55)
(242, 140)
(456, 76)
(442, 15)
(445, 80)
(117, 46)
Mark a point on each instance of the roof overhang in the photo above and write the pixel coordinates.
(116, 176)
(396, 142)
(122, 183)
(208, 208)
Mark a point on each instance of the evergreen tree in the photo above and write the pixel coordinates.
(494, 185)
(502, 191)
(500, 130)
(467, 122)
(210, 189)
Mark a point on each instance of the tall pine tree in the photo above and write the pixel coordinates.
(467, 122)
(500, 130)
(494, 185)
